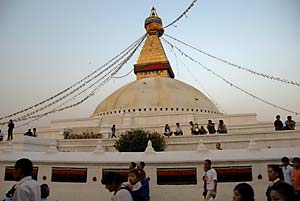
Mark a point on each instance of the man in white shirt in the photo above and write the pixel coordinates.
(210, 181)
(178, 130)
(113, 183)
(288, 171)
(27, 189)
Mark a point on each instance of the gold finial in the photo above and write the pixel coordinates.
(153, 12)
(153, 24)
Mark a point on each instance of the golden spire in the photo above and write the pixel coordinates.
(152, 61)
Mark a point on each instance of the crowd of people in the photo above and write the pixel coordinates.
(289, 124)
(10, 131)
(178, 131)
(135, 189)
(196, 130)
(284, 183)
(210, 127)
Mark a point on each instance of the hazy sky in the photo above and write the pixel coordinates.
(45, 46)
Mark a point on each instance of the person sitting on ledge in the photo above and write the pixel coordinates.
(211, 127)
(192, 128)
(289, 124)
(168, 131)
(178, 130)
(202, 130)
(29, 133)
(34, 132)
(278, 123)
(197, 129)
(221, 127)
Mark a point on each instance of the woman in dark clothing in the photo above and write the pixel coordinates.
(243, 192)
(282, 191)
(275, 175)
(168, 131)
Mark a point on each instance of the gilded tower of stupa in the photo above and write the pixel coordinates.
(155, 91)
(153, 61)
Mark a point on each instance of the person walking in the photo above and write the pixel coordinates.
(282, 191)
(275, 175)
(210, 181)
(243, 192)
(288, 171)
(11, 127)
(113, 183)
(27, 189)
(113, 131)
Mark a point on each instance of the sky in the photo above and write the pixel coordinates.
(46, 46)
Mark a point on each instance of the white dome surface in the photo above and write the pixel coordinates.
(154, 92)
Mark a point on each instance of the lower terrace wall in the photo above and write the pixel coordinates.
(96, 163)
(278, 139)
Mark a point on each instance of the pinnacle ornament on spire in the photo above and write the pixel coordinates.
(153, 24)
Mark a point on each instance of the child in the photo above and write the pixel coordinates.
(44, 192)
(132, 166)
(142, 172)
(139, 189)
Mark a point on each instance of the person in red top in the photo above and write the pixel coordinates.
(296, 162)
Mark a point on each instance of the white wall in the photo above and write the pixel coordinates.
(95, 162)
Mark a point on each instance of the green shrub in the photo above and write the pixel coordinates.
(136, 140)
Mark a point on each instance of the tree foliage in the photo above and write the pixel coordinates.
(136, 140)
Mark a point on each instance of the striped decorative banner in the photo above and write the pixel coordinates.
(69, 174)
(9, 173)
(122, 171)
(176, 176)
(234, 173)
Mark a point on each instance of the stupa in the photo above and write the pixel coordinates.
(154, 99)
(155, 93)
(74, 167)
